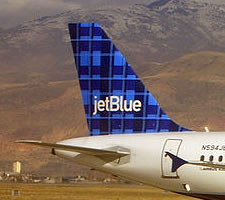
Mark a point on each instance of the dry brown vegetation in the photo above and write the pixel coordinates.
(85, 192)
(40, 99)
(190, 89)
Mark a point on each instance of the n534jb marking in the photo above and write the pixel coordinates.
(208, 147)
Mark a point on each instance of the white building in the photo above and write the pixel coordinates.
(17, 167)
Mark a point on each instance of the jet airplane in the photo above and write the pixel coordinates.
(130, 134)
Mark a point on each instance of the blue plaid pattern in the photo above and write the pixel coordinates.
(104, 72)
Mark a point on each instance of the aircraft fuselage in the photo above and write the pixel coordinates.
(148, 163)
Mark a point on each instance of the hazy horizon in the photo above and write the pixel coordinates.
(13, 13)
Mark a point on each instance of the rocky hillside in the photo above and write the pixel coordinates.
(158, 31)
(173, 45)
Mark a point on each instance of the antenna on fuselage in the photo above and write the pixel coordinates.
(206, 129)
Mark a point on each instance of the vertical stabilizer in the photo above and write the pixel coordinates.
(115, 99)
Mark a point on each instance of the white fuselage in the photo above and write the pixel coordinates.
(148, 164)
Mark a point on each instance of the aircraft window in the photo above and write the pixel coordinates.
(220, 158)
(210, 158)
(202, 158)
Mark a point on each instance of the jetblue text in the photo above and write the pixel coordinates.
(115, 103)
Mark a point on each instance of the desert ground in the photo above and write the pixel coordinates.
(84, 192)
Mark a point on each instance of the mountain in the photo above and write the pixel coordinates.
(177, 48)
(191, 89)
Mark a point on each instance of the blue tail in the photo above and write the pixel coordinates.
(115, 99)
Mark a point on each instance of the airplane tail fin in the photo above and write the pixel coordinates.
(115, 100)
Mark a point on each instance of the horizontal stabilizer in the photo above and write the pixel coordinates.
(113, 154)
